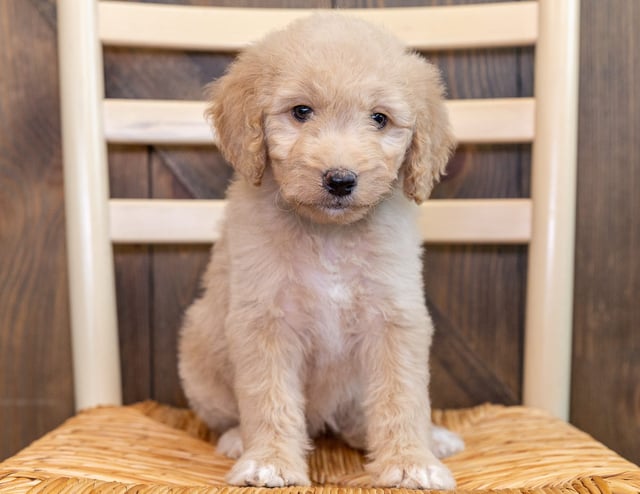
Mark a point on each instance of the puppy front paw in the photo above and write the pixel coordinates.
(268, 473)
(412, 474)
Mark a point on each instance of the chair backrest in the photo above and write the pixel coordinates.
(545, 221)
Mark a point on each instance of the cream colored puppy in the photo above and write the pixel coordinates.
(313, 313)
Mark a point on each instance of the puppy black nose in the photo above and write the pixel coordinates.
(339, 182)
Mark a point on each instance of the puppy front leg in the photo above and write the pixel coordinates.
(398, 411)
(268, 365)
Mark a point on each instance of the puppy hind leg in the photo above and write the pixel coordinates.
(204, 370)
(215, 404)
(351, 425)
(445, 443)
(230, 443)
(203, 363)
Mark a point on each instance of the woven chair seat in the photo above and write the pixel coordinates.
(148, 448)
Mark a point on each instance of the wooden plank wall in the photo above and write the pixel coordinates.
(476, 294)
(606, 363)
(35, 366)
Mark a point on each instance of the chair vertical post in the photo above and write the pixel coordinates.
(96, 364)
(548, 325)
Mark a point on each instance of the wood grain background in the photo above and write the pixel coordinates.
(476, 294)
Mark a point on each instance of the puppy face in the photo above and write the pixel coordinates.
(336, 140)
(339, 111)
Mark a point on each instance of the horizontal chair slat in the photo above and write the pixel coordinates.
(505, 120)
(231, 29)
(441, 221)
(477, 221)
(165, 221)
(182, 122)
(128, 121)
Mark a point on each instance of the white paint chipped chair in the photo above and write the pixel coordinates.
(150, 447)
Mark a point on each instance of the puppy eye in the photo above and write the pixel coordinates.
(302, 113)
(380, 120)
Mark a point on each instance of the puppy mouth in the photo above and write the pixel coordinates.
(334, 208)
(336, 204)
(340, 210)
(331, 208)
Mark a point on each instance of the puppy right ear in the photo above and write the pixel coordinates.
(237, 120)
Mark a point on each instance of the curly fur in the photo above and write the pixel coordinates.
(313, 315)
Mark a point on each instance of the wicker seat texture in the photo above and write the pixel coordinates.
(149, 447)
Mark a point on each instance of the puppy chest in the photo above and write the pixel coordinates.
(333, 273)
(334, 288)
(331, 287)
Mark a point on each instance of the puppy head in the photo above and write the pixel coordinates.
(339, 112)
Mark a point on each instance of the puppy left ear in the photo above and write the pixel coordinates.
(433, 142)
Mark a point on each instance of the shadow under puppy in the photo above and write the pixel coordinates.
(313, 313)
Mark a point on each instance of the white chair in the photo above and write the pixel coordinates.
(545, 222)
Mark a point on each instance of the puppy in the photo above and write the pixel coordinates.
(313, 313)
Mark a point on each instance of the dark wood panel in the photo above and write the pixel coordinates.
(606, 364)
(35, 358)
(476, 296)
(129, 178)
